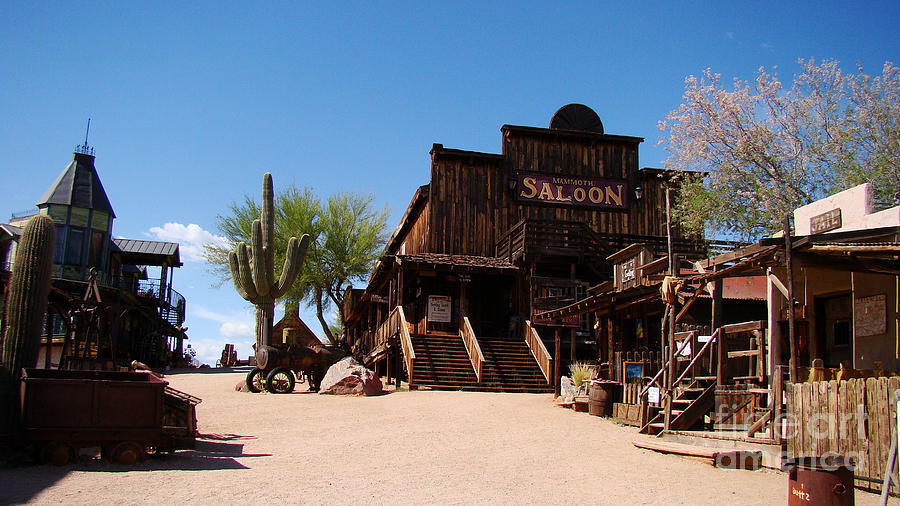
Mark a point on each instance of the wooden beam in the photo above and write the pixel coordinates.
(778, 284)
(790, 297)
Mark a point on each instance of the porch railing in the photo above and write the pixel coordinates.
(472, 346)
(539, 351)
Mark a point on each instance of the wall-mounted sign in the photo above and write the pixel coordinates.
(871, 315)
(825, 221)
(573, 191)
(628, 270)
(439, 308)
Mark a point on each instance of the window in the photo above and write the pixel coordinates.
(59, 250)
(74, 247)
(97, 242)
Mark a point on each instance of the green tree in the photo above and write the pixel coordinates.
(767, 150)
(347, 235)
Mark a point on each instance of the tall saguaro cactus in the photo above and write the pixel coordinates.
(253, 271)
(26, 306)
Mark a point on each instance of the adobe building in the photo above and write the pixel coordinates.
(493, 239)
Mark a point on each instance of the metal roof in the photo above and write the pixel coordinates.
(147, 252)
(11, 230)
(78, 185)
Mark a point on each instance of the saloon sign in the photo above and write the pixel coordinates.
(572, 191)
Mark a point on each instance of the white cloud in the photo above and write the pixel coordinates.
(191, 239)
(233, 330)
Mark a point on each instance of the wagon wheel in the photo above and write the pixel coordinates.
(280, 381)
(128, 453)
(57, 453)
(256, 380)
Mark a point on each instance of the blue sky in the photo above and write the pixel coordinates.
(190, 104)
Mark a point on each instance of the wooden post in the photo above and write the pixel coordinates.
(671, 322)
(49, 349)
(777, 395)
(573, 346)
(722, 358)
(610, 350)
(716, 323)
(556, 360)
(790, 286)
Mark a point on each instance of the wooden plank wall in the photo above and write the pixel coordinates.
(415, 239)
(853, 418)
(471, 204)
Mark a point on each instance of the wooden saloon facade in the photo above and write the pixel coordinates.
(494, 239)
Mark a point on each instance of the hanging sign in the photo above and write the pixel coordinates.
(653, 395)
(439, 308)
(572, 191)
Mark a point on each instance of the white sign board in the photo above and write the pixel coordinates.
(653, 395)
(439, 308)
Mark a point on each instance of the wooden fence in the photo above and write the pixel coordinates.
(854, 418)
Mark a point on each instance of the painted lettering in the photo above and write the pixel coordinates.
(595, 194)
(529, 183)
(546, 192)
(580, 194)
(559, 195)
(617, 197)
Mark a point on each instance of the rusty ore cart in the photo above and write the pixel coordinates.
(126, 414)
(277, 366)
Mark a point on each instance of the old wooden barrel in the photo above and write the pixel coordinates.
(820, 480)
(600, 398)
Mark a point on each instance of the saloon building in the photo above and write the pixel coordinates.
(493, 240)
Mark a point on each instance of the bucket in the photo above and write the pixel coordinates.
(820, 480)
(600, 398)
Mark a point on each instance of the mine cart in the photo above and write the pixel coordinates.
(126, 414)
(279, 367)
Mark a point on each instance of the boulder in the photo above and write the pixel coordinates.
(349, 377)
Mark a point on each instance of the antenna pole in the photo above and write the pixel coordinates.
(87, 131)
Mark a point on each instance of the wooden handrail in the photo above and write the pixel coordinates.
(472, 346)
(665, 367)
(539, 351)
(405, 340)
(713, 337)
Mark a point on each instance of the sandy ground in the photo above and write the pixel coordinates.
(419, 447)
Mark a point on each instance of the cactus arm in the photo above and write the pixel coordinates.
(293, 261)
(258, 259)
(234, 265)
(244, 271)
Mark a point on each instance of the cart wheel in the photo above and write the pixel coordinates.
(57, 453)
(128, 453)
(256, 380)
(280, 381)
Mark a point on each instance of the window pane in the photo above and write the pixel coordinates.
(73, 249)
(59, 251)
(97, 248)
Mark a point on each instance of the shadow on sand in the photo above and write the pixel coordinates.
(213, 452)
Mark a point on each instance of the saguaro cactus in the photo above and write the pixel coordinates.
(253, 271)
(26, 305)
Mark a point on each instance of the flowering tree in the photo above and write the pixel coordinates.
(766, 150)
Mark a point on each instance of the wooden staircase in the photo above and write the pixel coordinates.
(442, 363)
(689, 406)
(734, 374)
(510, 367)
